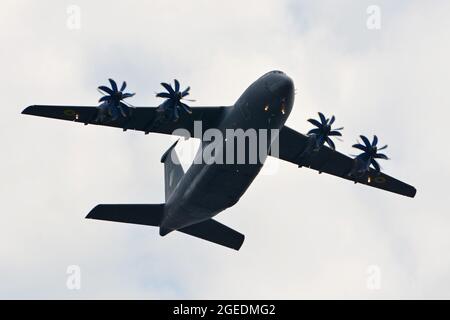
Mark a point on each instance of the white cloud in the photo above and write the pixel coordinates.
(307, 236)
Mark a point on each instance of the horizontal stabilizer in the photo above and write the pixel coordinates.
(151, 215)
(213, 231)
(146, 214)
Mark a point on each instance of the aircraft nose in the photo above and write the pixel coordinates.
(281, 85)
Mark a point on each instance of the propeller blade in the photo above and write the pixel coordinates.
(335, 133)
(366, 141)
(382, 148)
(381, 156)
(332, 120)
(330, 143)
(122, 107)
(375, 165)
(374, 141)
(338, 129)
(127, 95)
(314, 131)
(315, 122)
(106, 89)
(177, 85)
(322, 118)
(185, 92)
(113, 85)
(186, 107)
(104, 98)
(163, 95)
(360, 147)
(125, 105)
(129, 105)
(168, 87)
(124, 85)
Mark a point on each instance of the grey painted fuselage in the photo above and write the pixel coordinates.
(207, 189)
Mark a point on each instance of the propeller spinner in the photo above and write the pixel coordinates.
(323, 131)
(173, 104)
(112, 101)
(368, 156)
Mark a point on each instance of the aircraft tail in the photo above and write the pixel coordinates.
(151, 215)
(173, 171)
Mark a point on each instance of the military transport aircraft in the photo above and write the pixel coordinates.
(194, 197)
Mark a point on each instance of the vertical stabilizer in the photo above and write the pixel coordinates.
(173, 171)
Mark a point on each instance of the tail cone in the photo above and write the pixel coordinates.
(163, 231)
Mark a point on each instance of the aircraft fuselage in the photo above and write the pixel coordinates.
(207, 189)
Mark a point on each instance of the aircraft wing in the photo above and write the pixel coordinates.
(141, 118)
(292, 144)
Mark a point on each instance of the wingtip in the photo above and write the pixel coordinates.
(91, 213)
(27, 110)
(239, 246)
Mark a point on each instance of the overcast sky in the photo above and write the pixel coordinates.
(307, 236)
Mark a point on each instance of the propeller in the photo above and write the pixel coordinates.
(369, 153)
(113, 97)
(323, 131)
(173, 103)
